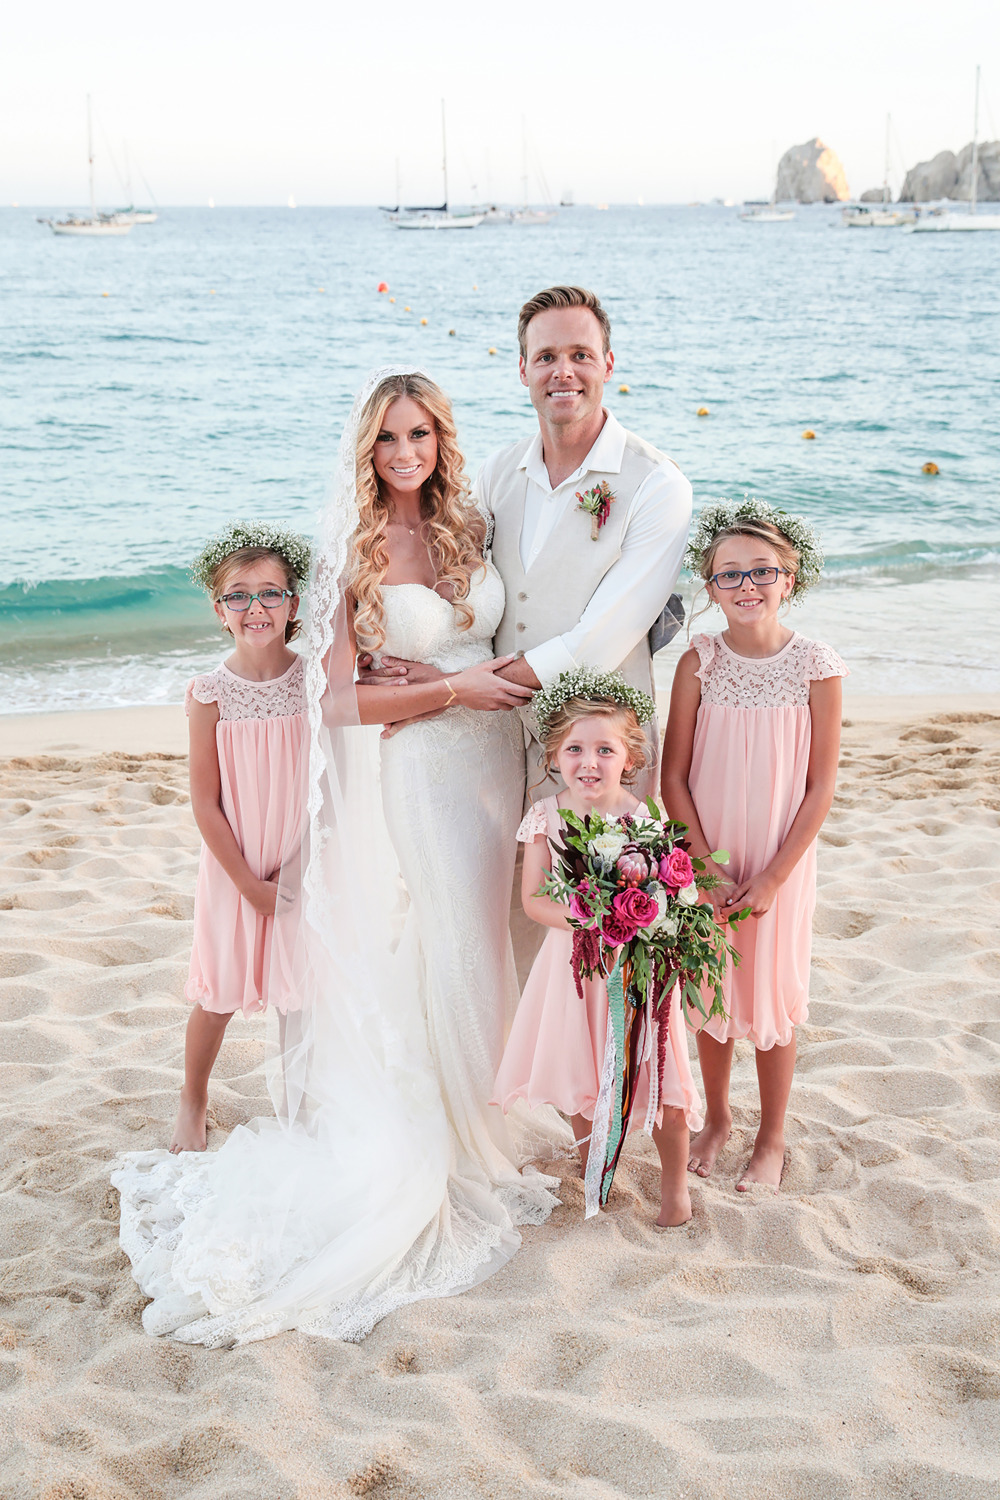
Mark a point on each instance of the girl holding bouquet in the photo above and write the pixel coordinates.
(594, 740)
(750, 764)
(247, 733)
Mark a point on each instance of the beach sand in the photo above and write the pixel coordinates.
(842, 1340)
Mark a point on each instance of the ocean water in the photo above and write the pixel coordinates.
(155, 386)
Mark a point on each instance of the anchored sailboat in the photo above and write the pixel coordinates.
(439, 216)
(949, 220)
(102, 224)
(767, 213)
(879, 215)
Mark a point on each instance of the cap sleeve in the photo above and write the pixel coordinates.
(824, 662)
(203, 689)
(705, 647)
(534, 822)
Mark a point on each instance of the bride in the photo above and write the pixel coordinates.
(384, 1176)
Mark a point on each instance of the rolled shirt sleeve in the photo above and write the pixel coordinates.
(634, 590)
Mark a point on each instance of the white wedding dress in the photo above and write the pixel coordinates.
(398, 1181)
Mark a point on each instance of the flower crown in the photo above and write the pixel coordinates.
(721, 514)
(584, 682)
(294, 549)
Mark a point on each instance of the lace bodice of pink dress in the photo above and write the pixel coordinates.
(260, 737)
(747, 781)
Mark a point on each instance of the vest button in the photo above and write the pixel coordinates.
(521, 625)
(522, 596)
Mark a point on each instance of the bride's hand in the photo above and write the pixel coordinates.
(480, 687)
(396, 669)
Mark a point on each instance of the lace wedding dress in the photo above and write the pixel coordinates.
(394, 1180)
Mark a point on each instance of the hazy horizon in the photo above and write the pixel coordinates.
(248, 107)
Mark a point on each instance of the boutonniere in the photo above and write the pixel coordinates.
(597, 504)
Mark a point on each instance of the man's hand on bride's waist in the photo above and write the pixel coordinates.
(396, 669)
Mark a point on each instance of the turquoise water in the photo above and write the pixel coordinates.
(213, 378)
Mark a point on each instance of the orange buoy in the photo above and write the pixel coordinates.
(392, 299)
(105, 294)
(423, 322)
(702, 411)
(451, 333)
(930, 468)
(491, 350)
(809, 434)
(383, 286)
(406, 308)
(322, 288)
(623, 390)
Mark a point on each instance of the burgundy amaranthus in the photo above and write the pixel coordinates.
(586, 955)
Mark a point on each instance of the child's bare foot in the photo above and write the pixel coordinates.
(675, 1208)
(190, 1133)
(766, 1166)
(707, 1144)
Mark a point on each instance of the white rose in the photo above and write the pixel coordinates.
(607, 846)
(689, 895)
(663, 922)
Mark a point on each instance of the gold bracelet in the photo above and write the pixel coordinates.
(454, 695)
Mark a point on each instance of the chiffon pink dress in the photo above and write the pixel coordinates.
(747, 781)
(261, 736)
(556, 1047)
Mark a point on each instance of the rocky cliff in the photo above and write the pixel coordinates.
(950, 176)
(811, 173)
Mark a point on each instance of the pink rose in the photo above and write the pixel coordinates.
(636, 907)
(634, 867)
(579, 908)
(616, 928)
(676, 870)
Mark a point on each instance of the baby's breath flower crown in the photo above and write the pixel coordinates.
(584, 682)
(721, 514)
(239, 534)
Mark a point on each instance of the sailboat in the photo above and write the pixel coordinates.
(131, 214)
(524, 214)
(949, 220)
(879, 215)
(102, 224)
(767, 213)
(438, 216)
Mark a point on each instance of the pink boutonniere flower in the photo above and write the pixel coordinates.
(597, 503)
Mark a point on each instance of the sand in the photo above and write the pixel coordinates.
(842, 1340)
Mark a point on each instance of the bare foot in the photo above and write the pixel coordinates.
(766, 1166)
(707, 1144)
(190, 1133)
(675, 1208)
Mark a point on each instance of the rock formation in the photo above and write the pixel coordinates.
(812, 173)
(871, 195)
(950, 176)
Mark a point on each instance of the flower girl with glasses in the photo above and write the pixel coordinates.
(247, 737)
(750, 765)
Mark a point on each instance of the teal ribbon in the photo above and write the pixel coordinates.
(616, 1015)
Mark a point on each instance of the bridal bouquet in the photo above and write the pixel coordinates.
(634, 897)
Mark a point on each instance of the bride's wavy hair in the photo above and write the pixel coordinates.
(456, 529)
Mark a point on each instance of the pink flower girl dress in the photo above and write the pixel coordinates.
(261, 738)
(556, 1048)
(747, 781)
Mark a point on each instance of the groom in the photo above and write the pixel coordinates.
(572, 600)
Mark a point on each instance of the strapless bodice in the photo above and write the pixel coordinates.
(421, 625)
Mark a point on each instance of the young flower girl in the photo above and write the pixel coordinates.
(247, 734)
(556, 1047)
(750, 764)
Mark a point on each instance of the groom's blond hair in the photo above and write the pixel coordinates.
(562, 296)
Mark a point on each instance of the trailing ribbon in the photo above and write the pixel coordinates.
(623, 1051)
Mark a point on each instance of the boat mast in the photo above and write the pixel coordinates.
(90, 157)
(886, 196)
(444, 156)
(524, 162)
(975, 148)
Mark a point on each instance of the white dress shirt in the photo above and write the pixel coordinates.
(634, 590)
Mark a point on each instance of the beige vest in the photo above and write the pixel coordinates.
(549, 597)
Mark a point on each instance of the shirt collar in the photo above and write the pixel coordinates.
(605, 457)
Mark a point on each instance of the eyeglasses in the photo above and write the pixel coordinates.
(732, 577)
(270, 598)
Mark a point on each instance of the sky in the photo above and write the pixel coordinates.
(247, 103)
